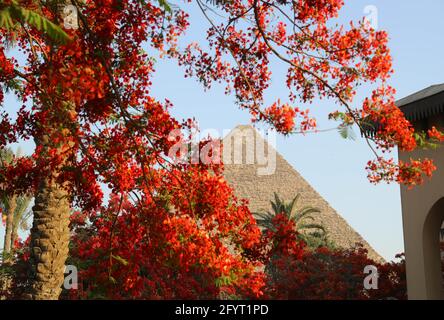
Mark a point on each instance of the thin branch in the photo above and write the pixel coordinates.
(324, 82)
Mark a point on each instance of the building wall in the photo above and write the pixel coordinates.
(423, 214)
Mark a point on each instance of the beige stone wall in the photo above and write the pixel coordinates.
(252, 184)
(423, 214)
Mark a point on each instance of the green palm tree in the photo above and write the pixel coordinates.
(15, 208)
(312, 233)
(6, 205)
(22, 216)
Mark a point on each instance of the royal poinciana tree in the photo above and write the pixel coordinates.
(87, 104)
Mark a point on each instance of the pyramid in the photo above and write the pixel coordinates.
(255, 170)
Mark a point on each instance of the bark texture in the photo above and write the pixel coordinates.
(12, 204)
(49, 240)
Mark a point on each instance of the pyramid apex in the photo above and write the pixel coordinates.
(241, 130)
(245, 127)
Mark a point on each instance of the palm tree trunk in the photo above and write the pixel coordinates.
(9, 226)
(13, 237)
(50, 232)
(8, 231)
(49, 240)
(50, 229)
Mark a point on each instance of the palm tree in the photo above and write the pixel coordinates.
(8, 209)
(313, 234)
(22, 216)
(15, 208)
(7, 204)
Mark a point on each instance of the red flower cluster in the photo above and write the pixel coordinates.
(436, 134)
(7, 66)
(6, 70)
(393, 129)
(318, 10)
(176, 245)
(409, 173)
(283, 116)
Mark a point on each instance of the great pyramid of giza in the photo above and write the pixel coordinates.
(255, 170)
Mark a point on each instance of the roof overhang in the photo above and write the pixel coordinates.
(423, 104)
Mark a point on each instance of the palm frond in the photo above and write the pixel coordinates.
(277, 204)
(264, 219)
(274, 207)
(22, 212)
(316, 226)
(292, 205)
(312, 233)
(263, 215)
(305, 213)
(6, 156)
(300, 220)
(13, 15)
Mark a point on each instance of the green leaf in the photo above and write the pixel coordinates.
(12, 14)
(6, 20)
(225, 280)
(165, 5)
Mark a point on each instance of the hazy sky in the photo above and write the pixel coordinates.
(332, 165)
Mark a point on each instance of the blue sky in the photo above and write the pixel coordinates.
(332, 165)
